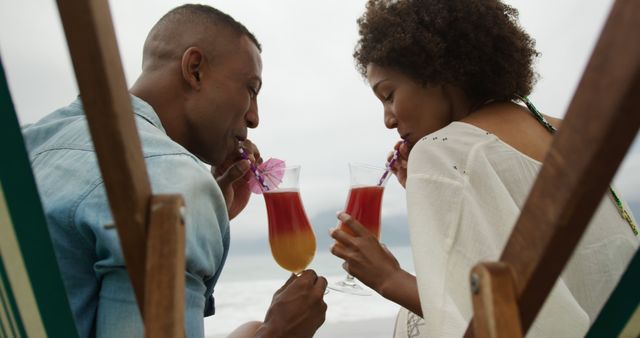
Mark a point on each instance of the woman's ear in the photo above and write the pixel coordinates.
(191, 65)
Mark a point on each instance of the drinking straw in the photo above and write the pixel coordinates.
(254, 170)
(390, 164)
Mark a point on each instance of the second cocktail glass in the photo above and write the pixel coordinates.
(364, 205)
(291, 237)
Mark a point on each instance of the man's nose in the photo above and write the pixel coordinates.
(252, 117)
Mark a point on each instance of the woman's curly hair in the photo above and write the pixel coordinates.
(476, 45)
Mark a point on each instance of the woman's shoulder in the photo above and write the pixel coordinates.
(446, 151)
(456, 137)
(515, 126)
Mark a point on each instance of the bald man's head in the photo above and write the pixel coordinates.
(188, 26)
(201, 73)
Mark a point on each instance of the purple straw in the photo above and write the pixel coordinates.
(390, 164)
(254, 169)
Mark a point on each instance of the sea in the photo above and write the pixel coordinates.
(245, 288)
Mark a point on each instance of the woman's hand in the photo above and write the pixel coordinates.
(233, 177)
(374, 265)
(400, 167)
(365, 258)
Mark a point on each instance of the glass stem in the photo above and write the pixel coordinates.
(349, 280)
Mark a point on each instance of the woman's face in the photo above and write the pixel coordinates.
(413, 109)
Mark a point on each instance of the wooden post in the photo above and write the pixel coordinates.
(164, 298)
(107, 104)
(494, 301)
(600, 125)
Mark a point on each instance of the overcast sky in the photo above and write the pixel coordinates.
(315, 109)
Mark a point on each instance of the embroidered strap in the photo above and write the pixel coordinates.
(623, 211)
(536, 113)
(618, 202)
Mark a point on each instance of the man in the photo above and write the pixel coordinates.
(193, 103)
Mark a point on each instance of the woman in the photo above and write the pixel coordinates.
(453, 76)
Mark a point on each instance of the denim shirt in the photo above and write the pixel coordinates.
(77, 210)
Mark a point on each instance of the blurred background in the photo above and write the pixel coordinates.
(315, 111)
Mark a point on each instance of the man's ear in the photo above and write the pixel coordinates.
(192, 63)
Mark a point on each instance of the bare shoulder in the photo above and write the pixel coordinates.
(516, 126)
(556, 122)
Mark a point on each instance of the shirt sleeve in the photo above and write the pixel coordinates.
(434, 205)
(459, 214)
(207, 241)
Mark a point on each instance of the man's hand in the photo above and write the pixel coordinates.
(233, 176)
(400, 167)
(297, 308)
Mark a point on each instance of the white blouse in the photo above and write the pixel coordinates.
(465, 189)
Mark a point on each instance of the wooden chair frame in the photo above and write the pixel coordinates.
(150, 227)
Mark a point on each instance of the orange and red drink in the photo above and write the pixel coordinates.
(364, 204)
(292, 241)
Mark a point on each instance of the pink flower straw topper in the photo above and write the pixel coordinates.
(266, 176)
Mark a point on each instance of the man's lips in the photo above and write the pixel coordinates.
(239, 140)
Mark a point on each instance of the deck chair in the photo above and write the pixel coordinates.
(605, 115)
(620, 316)
(33, 301)
(150, 227)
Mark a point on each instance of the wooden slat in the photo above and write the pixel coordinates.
(600, 125)
(164, 298)
(495, 301)
(107, 104)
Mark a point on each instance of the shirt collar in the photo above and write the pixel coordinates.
(140, 108)
(144, 110)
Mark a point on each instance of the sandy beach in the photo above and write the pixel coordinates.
(372, 328)
(347, 315)
(246, 287)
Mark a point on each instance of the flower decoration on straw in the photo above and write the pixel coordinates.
(271, 171)
(266, 176)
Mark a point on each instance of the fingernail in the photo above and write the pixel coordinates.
(343, 216)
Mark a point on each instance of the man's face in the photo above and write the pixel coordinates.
(227, 103)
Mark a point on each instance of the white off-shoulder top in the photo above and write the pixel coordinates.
(465, 190)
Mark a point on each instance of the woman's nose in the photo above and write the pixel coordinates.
(390, 120)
